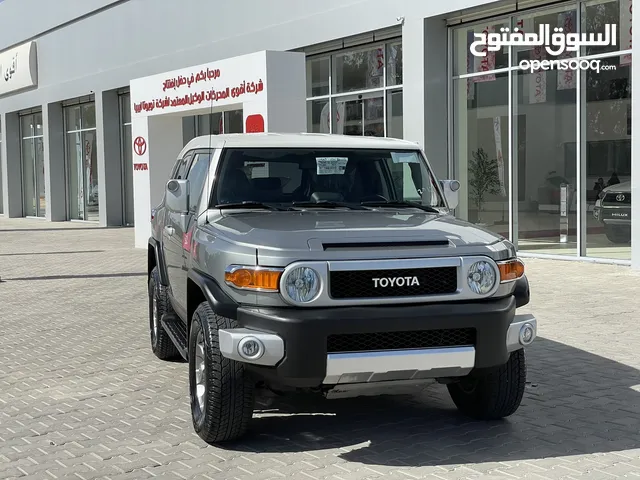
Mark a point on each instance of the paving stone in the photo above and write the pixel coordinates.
(82, 395)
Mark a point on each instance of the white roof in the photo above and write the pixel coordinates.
(295, 140)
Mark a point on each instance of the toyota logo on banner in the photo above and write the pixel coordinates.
(140, 146)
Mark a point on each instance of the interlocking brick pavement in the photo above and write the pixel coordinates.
(82, 396)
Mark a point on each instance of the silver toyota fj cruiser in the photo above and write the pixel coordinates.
(328, 263)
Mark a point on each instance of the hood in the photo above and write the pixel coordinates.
(314, 230)
(619, 187)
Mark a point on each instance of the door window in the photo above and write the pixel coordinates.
(181, 171)
(197, 176)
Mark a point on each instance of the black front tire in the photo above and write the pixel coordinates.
(161, 343)
(228, 389)
(495, 395)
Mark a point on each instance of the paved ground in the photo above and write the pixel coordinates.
(82, 396)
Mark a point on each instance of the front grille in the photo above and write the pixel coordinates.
(361, 283)
(362, 342)
(617, 198)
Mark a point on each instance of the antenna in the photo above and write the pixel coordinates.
(210, 122)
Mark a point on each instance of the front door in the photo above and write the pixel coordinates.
(196, 174)
(172, 240)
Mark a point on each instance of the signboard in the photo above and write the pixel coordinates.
(224, 83)
(18, 68)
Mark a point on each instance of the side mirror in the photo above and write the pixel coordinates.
(178, 196)
(451, 189)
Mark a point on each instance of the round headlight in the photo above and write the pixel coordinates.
(481, 277)
(302, 284)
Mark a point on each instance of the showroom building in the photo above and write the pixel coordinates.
(533, 150)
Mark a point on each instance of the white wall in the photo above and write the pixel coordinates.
(137, 38)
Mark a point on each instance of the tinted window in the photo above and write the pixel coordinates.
(197, 176)
(302, 175)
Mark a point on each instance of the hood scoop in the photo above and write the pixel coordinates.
(405, 245)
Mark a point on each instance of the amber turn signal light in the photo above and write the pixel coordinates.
(511, 270)
(253, 278)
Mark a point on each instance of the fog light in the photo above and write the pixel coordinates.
(527, 334)
(250, 348)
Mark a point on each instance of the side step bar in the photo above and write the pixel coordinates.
(177, 331)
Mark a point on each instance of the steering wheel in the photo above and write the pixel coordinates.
(374, 198)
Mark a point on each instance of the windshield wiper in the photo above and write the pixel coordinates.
(249, 204)
(328, 204)
(394, 203)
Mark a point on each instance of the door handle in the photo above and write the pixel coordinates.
(169, 230)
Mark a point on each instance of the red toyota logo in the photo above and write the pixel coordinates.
(140, 146)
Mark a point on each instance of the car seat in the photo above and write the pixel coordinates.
(235, 187)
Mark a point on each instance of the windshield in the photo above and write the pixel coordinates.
(289, 177)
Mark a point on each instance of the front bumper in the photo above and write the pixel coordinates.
(291, 344)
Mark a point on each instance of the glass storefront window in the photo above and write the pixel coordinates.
(73, 116)
(394, 64)
(562, 17)
(82, 159)
(28, 178)
(394, 114)
(358, 70)
(318, 77)
(565, 198)
(88, 115)
(598, 14)
(219, 123)
(127, 160)
(32, 160)
(481, 137)
(210, 124)
(234, 121)
(465, 62)
(360, 115)
(544, 161)
(607, 160)
(365, 98)
(318, 120)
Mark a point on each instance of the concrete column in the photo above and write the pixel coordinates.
(54, 162)
(163, 136)
(11, 165)
(635, 149)
(109, 158)
(286, 94)
(425, 89)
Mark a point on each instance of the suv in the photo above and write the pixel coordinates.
(613, 210)
(330, 264)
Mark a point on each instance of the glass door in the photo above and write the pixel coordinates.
(82, 171)
(127, 160)
(361, 115)
(32, 160)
